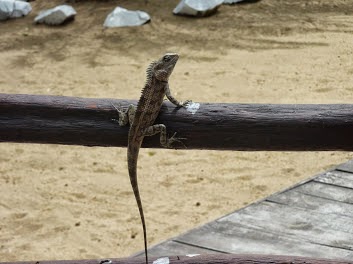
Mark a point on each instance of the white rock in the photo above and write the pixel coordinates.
(56, 16)
(122, 17)
(197, 7)
(13, 9)
(230, 2)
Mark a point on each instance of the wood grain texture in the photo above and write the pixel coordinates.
(276, 229)
(327, 191)
(200, 259)
(83, 121)
(313, 202)
(241, 238)
(339, 178)
(315, 227)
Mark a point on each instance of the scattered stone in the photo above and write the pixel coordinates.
(199, 8)
(13, 9)
(122, 17)
(56, 16)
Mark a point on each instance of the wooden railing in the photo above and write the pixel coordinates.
(83, 121)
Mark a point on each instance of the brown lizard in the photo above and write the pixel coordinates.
(142, 120)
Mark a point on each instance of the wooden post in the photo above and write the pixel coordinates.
(83, 121)
(200, 259)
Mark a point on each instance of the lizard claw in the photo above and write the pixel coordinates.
(118, 109)
(185, 103)
(122, 119)
(173, 139)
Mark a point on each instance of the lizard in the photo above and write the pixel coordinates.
(142, 118)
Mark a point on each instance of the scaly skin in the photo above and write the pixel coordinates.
(141, 120)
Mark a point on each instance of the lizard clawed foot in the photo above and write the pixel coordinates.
(118, 109)
(173, 139)
(122, 115)
(185, 103)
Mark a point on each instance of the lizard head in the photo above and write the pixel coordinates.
(163, 68)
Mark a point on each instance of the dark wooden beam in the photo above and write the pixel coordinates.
(200, 259)
(88, 121)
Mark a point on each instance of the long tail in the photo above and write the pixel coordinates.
(132, 156)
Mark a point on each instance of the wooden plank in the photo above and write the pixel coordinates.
(240, 238)
(340, 178)
(171, 248)
(310, 202)
(327, 191)
(348, 166)
(330, 230)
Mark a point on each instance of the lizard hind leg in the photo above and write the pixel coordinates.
(131, 113)
(165, 142)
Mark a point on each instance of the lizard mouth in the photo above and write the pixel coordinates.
(173, 62)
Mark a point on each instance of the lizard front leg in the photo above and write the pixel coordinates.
(126, 117)
(173, 100)
(160, 128)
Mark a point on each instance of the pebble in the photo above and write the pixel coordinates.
(199, 8)
(56, 16)
(14, 9)
(122, 17)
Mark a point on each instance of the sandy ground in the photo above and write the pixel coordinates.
(67, 202)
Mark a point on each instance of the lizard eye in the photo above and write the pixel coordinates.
(166, 58)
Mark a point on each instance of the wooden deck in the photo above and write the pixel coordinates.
(313, 218)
